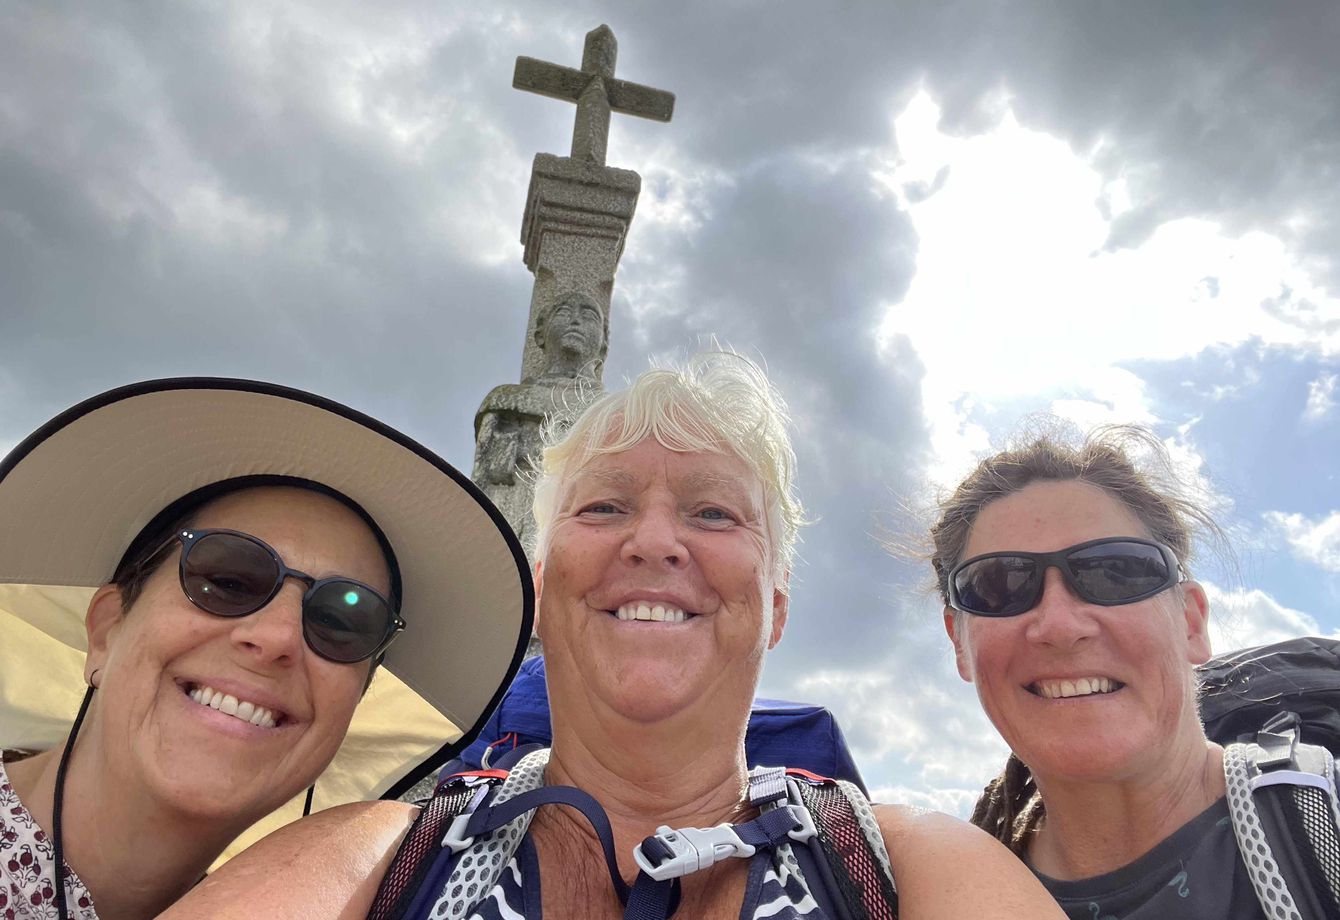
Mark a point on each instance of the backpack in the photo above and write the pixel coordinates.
(464, 837)
(1275, 708)
(1241, 691)
(800, 735)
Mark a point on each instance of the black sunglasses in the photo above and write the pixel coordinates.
(231, 574)
(1109, 572)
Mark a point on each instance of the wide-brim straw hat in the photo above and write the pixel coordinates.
(77, 491)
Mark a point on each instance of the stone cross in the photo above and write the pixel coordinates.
(577, 215)
(596, 92)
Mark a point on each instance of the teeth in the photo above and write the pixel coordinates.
(654, 613)
(1084, 686)
(244, 710)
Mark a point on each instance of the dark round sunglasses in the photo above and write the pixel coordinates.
(232, 574)
(1108, 572)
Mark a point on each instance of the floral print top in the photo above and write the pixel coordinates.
(27, 870)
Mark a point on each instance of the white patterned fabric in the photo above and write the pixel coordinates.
(28, 867)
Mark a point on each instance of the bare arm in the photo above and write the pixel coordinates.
(946, 869)
(323, 867)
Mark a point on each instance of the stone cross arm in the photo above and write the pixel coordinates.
(559, 82)
(596, 92)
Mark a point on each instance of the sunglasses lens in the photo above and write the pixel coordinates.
(1118, 571)
(228, 575)
(345, 621)
(998, 586)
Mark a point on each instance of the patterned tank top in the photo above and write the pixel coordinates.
(28, 867)
(481, 889)
(776, 889)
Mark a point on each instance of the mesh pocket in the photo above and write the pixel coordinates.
(1313, 813)
(848, 853)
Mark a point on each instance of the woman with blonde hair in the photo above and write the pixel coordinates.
(667, 521)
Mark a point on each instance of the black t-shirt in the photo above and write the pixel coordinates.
(1196, 874)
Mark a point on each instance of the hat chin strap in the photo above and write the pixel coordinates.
(58, 853)
(57, 807)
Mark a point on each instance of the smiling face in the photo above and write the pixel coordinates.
(163, 661)
(1078, 690)
(656, 592)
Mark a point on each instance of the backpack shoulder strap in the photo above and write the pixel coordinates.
(1282, 798)
(453, 797)
(852, 845)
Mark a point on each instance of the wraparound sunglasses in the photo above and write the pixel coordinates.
(232, 574)
(1109, 572)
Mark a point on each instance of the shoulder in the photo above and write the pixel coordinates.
(946, 868)
(327, 865)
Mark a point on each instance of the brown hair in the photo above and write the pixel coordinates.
(1010, 807)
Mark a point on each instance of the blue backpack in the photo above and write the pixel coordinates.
(798, 735)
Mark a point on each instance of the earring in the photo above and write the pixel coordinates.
(93, 678)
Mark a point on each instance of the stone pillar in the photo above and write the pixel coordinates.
(577, 215)
(573, 230)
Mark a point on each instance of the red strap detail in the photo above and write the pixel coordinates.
(814, 778)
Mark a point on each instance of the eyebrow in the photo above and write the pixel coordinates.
(617, 478)
(732, 486)
(608, 477)
(700, 479)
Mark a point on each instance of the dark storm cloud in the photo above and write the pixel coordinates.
(336, 274)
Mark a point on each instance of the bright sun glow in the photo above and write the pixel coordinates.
(1016, 301)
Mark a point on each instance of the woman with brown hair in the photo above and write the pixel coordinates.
(1068, 598)
(256, 552)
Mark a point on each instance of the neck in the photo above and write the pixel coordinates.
(1095, 827)
(135, 856)
(684, 771)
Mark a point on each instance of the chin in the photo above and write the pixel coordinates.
(1096, 757)
(226, 797)
(650, 693)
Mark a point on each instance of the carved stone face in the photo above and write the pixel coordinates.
(572, 334)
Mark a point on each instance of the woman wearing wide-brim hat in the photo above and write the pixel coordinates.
(255, 553)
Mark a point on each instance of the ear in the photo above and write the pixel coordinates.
(961, 658)
(781, 603)
(1196, 615)
(101, 623)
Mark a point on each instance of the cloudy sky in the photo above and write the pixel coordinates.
(928, 219)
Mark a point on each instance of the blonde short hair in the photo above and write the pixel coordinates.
(717, 402)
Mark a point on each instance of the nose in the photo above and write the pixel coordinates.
(1060, 618)
(273, 634)
(654, 539)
